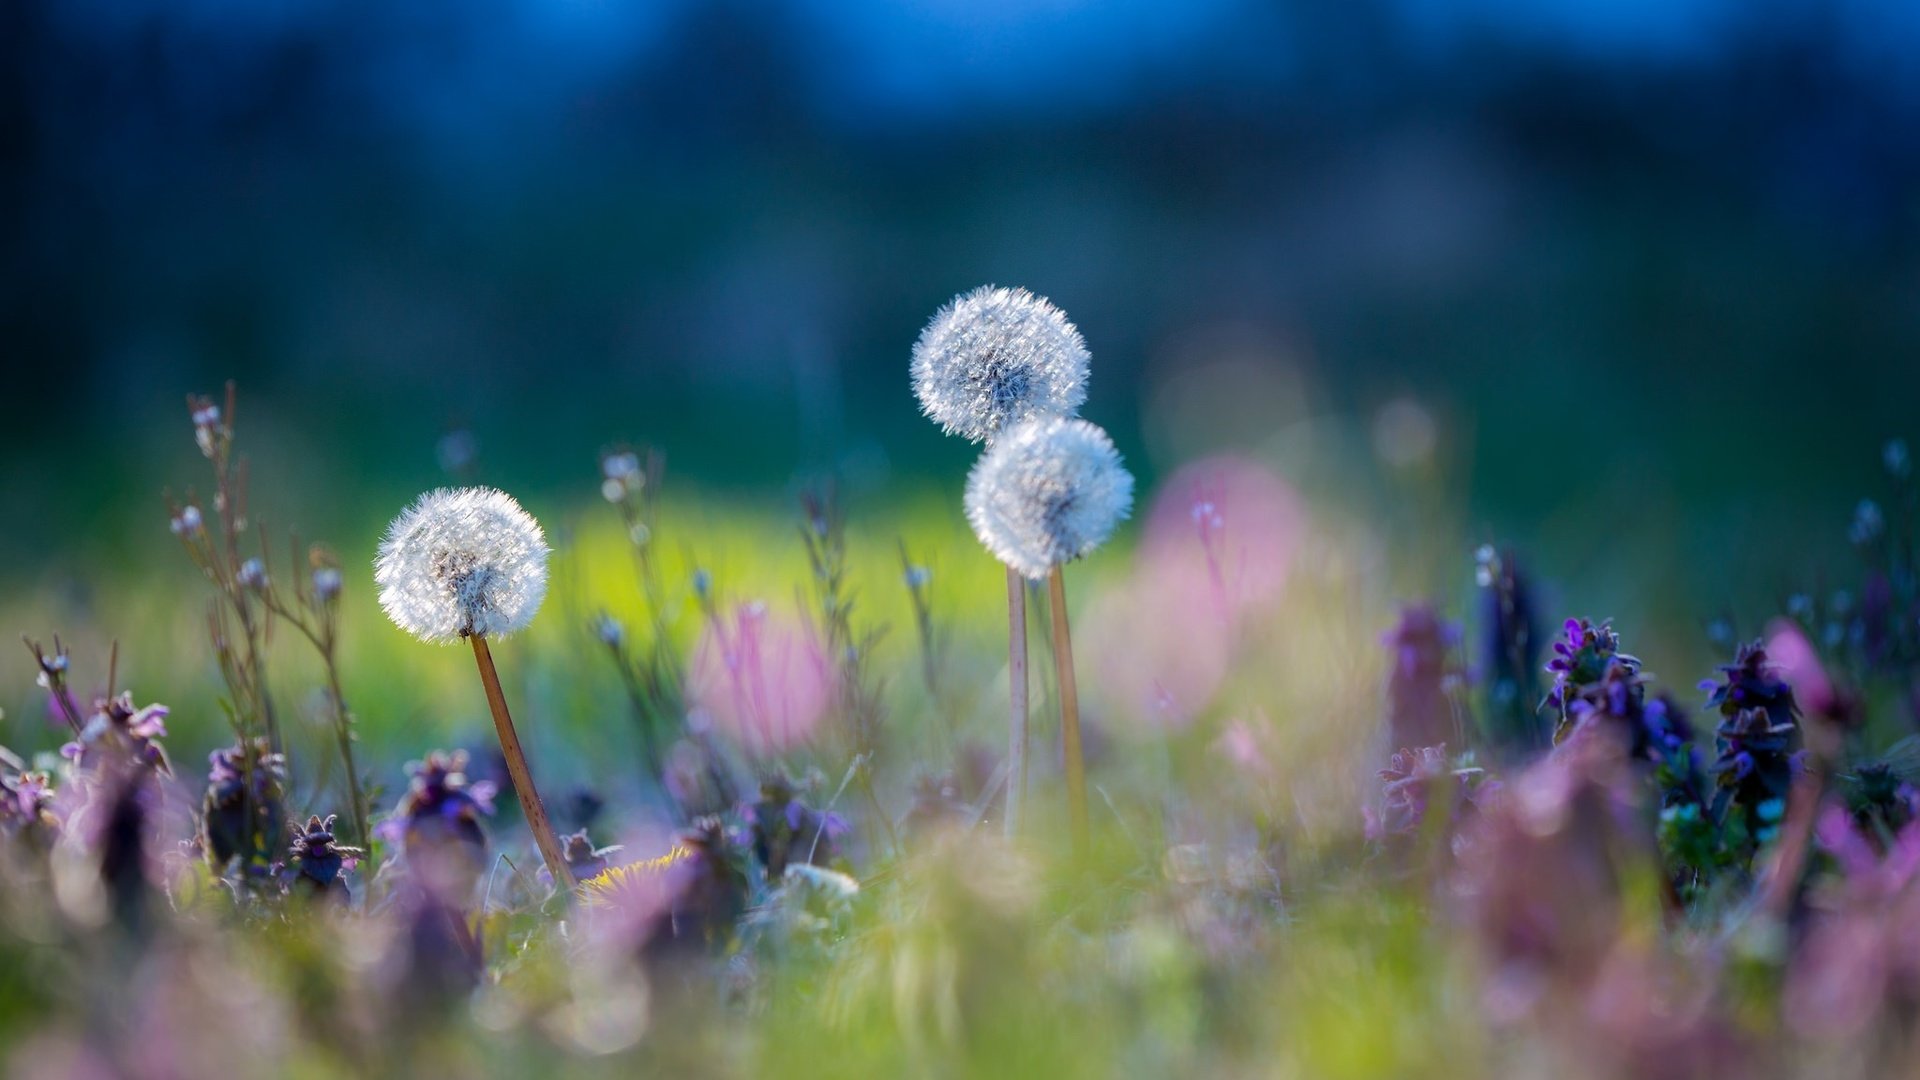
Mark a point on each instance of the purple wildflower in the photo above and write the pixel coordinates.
(1509, 654)
(318, 861)
(445, 845)
(585, 860)
(1859, 959)
(1758, 732)
(1542, 871)
(937, 804)
(121, 731)
(1753, 681)
(786, 831)
(709, 894)
(243, 813)
(1415, 781)
(26, 798)
(1419, 701)
(1582, 658)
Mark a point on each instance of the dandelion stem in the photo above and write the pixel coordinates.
(517, 767)
(1017, 695)
(1069, 709)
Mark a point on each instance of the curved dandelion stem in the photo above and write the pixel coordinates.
(1069, 709)
(517, 768)
(1017, 695)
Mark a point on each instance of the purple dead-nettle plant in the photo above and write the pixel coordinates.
(1424, 677)
(470, 563)
(786, 831)
(243, 813)
(439, 825)
(1415, 780)
(1758, 735)
(990, 359)
(1508, 654)
(587, 860)
(26, 800)
(1045, 494)
(122, 733)
(1582, 658)
(318, 862)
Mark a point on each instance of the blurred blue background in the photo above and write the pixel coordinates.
(1654, 258)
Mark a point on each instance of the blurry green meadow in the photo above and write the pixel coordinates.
(1236, 913)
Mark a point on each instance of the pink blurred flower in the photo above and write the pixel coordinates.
(1215, 552)
(1859, 952)
(1226, 527)
(1800, 665)
(1240, 744)
(765, 683)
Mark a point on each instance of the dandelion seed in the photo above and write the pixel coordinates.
(1048, 493)
(462, 562)
(996, 357)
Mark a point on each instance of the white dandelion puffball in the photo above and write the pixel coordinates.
(1048, 492)
(462, 561)
(996, 357)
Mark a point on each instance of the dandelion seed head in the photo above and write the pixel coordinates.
(462, 561)
(995, 357)
(1048, 492)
